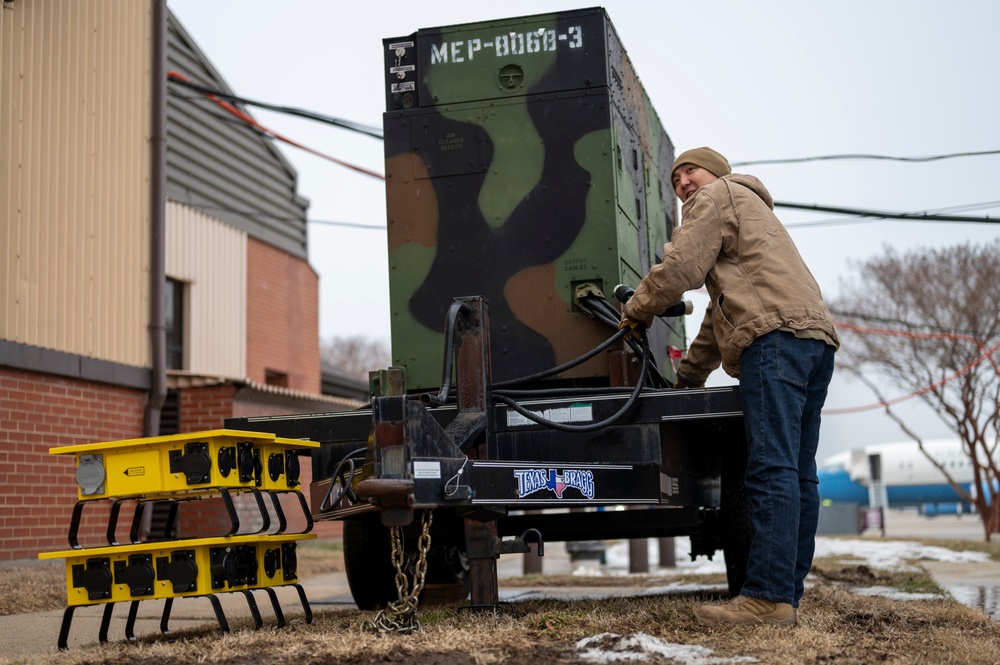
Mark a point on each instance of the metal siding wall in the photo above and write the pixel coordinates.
(211, 257)
(74, 176)
(222, 166)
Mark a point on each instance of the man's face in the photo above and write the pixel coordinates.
(689, 178)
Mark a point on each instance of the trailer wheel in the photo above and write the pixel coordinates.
(737, 527)
(367, 552)
(372, 577)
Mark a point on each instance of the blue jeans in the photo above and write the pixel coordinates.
(783, 384)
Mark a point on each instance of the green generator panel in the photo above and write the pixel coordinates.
(523, 158)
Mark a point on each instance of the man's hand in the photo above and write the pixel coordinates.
(635, 328)
(681, 382)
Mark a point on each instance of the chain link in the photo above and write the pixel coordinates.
(400, 616)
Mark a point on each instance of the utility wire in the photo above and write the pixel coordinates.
(253, 214)
(881, 214)
(367, 130)
(376, 132)
(224, 100)
(908, 325)
(819, 158)
(176, 76)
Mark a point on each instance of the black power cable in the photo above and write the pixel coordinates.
(345, 481)
(566, 365)
(608, 314)
(590, 427)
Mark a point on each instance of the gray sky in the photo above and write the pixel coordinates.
(754, 80)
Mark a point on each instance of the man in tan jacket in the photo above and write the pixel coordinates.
(768, 326)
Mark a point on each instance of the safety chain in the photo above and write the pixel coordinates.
(400, 616)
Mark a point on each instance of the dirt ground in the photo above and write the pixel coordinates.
(835, 626)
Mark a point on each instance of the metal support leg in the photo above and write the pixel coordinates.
(165, 617)
(112, 532)
(102, 634)
(254, 610)
(305, 603)
(264, 515)
(64, 628)
(480, 543)
(135, 531)
(74, 525)
(278, 614)
(168, 527)
(234, 518)
(133, 610)
(219, 614)
(305, 509)
(278, 512)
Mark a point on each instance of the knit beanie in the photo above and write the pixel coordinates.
(707, 159)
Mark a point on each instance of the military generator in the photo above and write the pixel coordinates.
(527, 174)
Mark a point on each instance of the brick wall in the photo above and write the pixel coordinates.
(204, 409)
(38, 490)
(282, 317)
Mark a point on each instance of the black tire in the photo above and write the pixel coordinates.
(367, 551)
(372, 577)
(447, 579)
(737, 527)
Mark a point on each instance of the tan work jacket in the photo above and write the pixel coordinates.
(732, 242)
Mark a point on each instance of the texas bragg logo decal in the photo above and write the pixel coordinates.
(530, 481)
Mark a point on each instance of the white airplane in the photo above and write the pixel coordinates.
(899, 475)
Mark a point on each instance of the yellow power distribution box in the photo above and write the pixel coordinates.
(221, 458)
(178, 568)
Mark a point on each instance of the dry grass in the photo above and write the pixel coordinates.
(835, 626)
(32, 586)
(319, 557)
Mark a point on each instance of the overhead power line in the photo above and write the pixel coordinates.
(881, 214)
(367, 130)
(822, 158)
(176, 76)
(225, 100)
(254, 214)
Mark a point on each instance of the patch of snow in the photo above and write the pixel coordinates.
(611, 647)
(884, 555)
(677, 587)
(616, 557)
(892, 555)
(894, 594)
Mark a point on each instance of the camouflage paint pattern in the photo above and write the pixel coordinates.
(523, 158)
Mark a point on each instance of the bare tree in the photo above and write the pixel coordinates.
(928, 324)
(355, 355)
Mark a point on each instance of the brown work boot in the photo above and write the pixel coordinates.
(743, 609)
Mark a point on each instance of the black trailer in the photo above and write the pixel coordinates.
(499, 468)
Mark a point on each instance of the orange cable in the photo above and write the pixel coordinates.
(987, 354)
(917, 335)
(273, 134)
